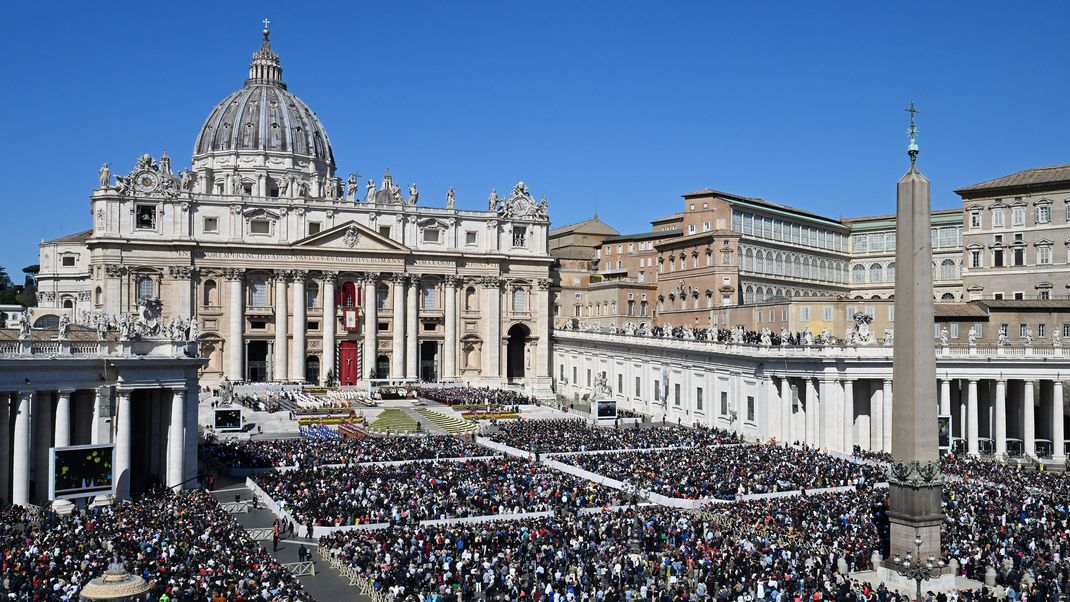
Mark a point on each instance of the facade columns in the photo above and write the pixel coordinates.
(876, 418)
(411, 328)
(371, 324)
(236, 328)
(492, 317)
(5, 444)
(812, 436)
(113, 287)
(827, 419)
(280, 356)
(1058, 430)
(192, 400)
(20, 456)
(330, 324)
(182, 279)
(41, 415)
(175, 440)
(971, 418)
(449, 361)
(785, 409)
(542, 326)
(1029, 424)
(123, 415)
(945, 397)
(397, 360)
(848, 416)
(1000, 429)
(63, 418)
(300, 309)
(887, 422)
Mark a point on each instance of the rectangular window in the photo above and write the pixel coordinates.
(588, 377)
(657, 390)
(1021, 329)
(380, 299)
(384, 231)
(997, 258)
(384, 326)
(1042, 329)
(860, 242)
(804, 313)
(1043, 255)
(698, 398)
(259, 226)
(1066, 331)
(1003, 328)
(676, 394)
(520, 234)
(724, 403)
(68, 261)
(620, 384)
(314, 228)
(891, 313)
(313, 325)
(470, 238)
(1043, 214)
(145, 217)
(428, 296)
(211, 224)
(638, 387)
(691, 228)
(574, 374)
(997, 296)
(705, 226)
(828, 314)
(978, 329)
(431, 235)
(750, 408)
(975, 259)
(1018, 216)
(954, 330)
(876, 242)
(871, 312)
(975, 220)
(947, 237)
(997, 218)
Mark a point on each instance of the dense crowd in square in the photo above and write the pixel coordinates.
(184, 544)
(431, 490)
(458, 395)
(304, 452)
(727, 472)
(573, 435)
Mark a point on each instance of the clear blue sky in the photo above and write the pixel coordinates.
(627, 105)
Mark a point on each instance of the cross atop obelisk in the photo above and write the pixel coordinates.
(912, 148)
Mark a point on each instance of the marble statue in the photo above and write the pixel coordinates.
(194, 328)
(24, 325)
(226, 391)
(808, 337)
(102, 328)
(105, 176)
(126, 324)
(826, 337)
(414, 194)
(449, 198)
(351, 187)
(543, 210)
(1028, 336)
(64, 328)
(767, 337)
(331, 189)
(1056, 338)
(187, 178)
(1000, 341)
(165, 163)
(494, 202)
(395, 194)
(369, 191)
(889, 336)
(784, 335)
(943, 337)
(302, 187)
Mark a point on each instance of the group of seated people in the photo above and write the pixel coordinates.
(263, 453)
(184, 544)
(574, 435)
(457, 395)
(727, 472)
(418, 491)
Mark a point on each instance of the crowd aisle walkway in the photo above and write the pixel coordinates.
(326, 585)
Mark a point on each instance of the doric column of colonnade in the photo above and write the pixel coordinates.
(300, 312)
(280, 357)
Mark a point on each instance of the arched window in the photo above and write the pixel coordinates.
(947, 297)
(748, 260)
(520, 300)
(98, 296)
(428, 298)
(947, 269)
(382, 294)
(759, 261)
(68, 303)
(347, 294)
(209, 294)
(312, 294)
(258, 292)
(778, 267)
(891, 272)
(748, 294)
(876, 273)
(144, 288)
(858, 274)
(470, 302)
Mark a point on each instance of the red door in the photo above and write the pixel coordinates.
(348, 363)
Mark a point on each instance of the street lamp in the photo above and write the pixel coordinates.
(916, 570)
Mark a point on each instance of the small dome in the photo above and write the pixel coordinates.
(264, 116)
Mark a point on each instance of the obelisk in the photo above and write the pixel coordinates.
(915, 480)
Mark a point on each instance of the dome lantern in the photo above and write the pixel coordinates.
(265, 68)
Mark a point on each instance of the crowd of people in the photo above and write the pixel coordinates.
(457, 395)
(573, 435)
(727, 472)
(184, 544)
(417, 491)
(304, 452)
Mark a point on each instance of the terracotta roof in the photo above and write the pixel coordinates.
(76, 237)
(646, 235)
(582, 253)
(592, 225)
(1027, 304)
(959, 310)
(1029, 178)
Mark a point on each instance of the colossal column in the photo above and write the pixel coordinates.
(182, 278)
(5, 443)
(915, 482)
(848, 415)
(176, 440)
(1029, 423)
(192, 400)
(371, 323)
(236, 323)
(63, 418)
(1058, 431)
(889, 414)
(876, 417)
(449, 362)
(20, 456)
(828, 414)
(813, 405)
(945, 397)
(297, 360)
(397, 342)
(492, 316)
(123, 415)
(412, 334)
(42, 439)
(280, 356)
(785, 409)
(972, 446)
(330, 324)
(542, 326)
(1001, 418)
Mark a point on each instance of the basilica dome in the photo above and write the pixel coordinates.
(263, 118)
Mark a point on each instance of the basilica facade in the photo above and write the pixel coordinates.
(293, 274)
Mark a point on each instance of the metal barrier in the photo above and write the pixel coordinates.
(307, 568)
(261, 533)
(241, 507)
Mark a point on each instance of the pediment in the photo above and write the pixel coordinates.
(350, 236)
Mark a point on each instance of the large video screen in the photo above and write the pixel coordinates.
(943, 427)
(227, 419)
(81, 471)
(607, 408)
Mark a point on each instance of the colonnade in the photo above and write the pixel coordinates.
(32, 421)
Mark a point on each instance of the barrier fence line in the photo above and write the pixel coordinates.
(301, 569)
